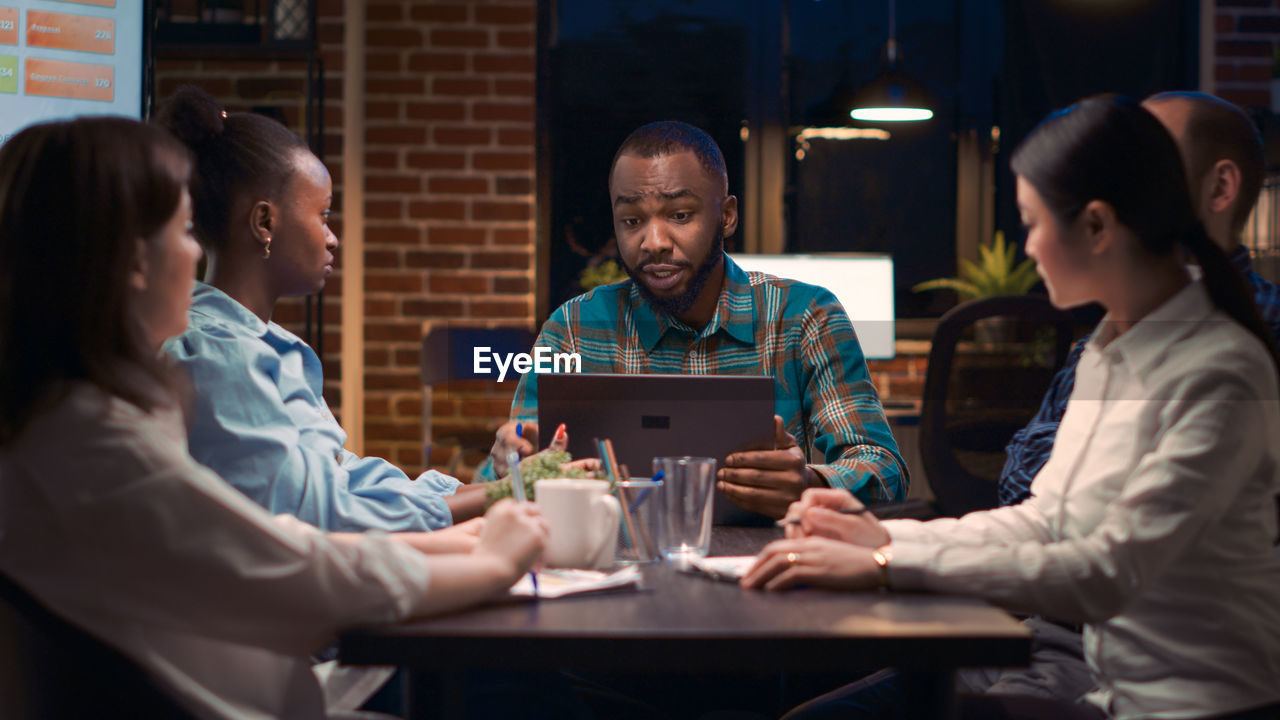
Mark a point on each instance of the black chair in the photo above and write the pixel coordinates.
(991, 362)
(448, 356)
(51, 670)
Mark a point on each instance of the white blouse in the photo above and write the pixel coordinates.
(1153, 520)
(109, 522)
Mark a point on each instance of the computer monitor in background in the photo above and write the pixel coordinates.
(63, 58)
(862, 282)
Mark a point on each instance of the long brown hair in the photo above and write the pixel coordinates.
(75, 199)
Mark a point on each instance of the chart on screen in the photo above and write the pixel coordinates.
(63, 58)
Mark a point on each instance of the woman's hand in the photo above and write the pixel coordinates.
(591, 466)
(506, 441)
(459, 538)
(818, 511)
(814, 562)
(515, 534)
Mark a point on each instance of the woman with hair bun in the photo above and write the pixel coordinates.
(262, 203)
(1152, 523)
(107, 520)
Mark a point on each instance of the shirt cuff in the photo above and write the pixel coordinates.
(905, 531)
(909, 567)
(824, 475)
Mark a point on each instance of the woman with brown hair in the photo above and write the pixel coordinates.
(105, 517)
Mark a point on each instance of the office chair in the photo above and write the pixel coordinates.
(990, 365)
(448, 355)
(53, 670)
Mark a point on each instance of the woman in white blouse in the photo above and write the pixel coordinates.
(104, 516)
(1153, 521)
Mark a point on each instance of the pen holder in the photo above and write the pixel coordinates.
(640, 533)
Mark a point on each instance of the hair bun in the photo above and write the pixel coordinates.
(192, 115)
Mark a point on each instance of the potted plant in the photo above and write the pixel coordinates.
(996, 273)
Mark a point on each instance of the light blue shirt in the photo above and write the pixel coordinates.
(261, 422)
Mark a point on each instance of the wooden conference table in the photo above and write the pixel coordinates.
(687, 624)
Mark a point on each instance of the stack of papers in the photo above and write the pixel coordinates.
(558, 583)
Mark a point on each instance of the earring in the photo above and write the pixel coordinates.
(266, 249)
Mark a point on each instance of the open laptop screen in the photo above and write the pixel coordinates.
(648, 416)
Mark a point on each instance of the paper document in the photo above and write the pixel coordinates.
(554, 583)
(729, 568)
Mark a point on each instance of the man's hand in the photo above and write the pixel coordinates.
(768, 481)
(506, 440)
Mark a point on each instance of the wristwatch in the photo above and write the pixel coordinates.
(883, 555)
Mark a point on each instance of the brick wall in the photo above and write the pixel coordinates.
(1246, 36)
(448, 193)
(448, 203)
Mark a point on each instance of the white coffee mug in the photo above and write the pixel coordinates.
(583, 518)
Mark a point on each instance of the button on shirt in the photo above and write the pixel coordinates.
(1152, 520)
(261, 422)
(763, 325)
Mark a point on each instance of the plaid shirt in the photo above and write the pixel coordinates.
(1028, 450)
(763, 325)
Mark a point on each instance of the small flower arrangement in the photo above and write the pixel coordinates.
(545, 464)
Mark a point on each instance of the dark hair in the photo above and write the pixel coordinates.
(75, 198)
(236, 153)
(669, 137)
(1109, 148)
(1218, 130)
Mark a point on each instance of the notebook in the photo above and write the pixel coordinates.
(648, 416)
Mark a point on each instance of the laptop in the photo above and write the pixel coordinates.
(648, 416)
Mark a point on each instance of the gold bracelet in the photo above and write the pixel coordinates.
(882, 555)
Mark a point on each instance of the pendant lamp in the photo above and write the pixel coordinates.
(891, 97)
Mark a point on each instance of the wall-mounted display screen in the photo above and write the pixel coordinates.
(62, 58)
(862, 282)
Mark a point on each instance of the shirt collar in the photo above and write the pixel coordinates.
(1145, 343)
(735, 312)
(210, 300)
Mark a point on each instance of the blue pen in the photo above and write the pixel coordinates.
(657, 477)
(517, 493)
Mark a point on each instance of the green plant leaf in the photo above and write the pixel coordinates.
(995, 273)
(977, 275)
(965, 289)
(1023, 277)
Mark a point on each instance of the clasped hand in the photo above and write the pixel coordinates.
(826, 548)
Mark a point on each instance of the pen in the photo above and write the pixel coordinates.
(881, 509)
(657, 477)
(517, 494)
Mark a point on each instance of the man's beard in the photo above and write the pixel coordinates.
(680, 304)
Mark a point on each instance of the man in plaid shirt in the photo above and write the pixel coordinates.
(688, 308)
